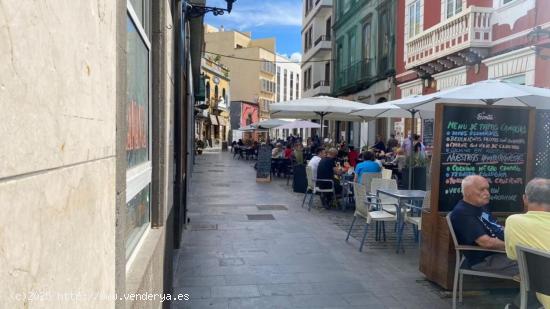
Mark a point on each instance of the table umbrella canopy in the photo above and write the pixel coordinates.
(300, 124)
(389, 109)
(328, 108)
(490, 92)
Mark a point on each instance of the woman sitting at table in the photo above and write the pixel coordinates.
(367, 166)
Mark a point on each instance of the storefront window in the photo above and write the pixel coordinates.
(138, 214)
(138, 109)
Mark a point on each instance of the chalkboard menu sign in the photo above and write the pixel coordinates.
(263, 166)
(492, 142)
(428, 132)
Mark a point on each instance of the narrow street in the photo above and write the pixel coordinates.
(298, 259)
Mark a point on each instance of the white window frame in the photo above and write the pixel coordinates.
(140, 176)
(445, 12)
(411, 20)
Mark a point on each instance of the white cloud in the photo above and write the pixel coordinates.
(296, 57)
(247, 14)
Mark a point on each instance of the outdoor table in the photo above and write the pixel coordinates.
(402, 196)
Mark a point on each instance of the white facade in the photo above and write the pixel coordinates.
(316, 47)
(289, 77)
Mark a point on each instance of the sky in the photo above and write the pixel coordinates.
(281, 19)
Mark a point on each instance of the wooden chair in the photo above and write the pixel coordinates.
(534, 267)
(461, 268)
(367, 210)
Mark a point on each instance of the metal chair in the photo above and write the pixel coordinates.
(368, 210)
(461, 268)
(414, 214)
(534, 267)
(314, 189)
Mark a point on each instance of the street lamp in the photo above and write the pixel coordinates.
(194, 10)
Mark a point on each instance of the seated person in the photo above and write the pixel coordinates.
(326, 170)
(277, 152)
(352, 156)
(367, 166)
(475, 226)
(531, 229)
(314, 162)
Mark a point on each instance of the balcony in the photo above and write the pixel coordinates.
(321, 87)
(321, 44)
(462, 39)
(353, 75)
(321, 8)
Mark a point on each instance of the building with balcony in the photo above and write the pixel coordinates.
(214, 126)
(461, 42)
(457, 42)
(254, 60)
(364, 49)
(317, 47)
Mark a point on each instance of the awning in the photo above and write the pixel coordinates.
(214, 120)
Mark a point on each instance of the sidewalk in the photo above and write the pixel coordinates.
(288, 257)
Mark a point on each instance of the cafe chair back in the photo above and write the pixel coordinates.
(370, 210)
(413, 214)
(534, 270)
(386, 173)
(461, 267)
(313, 188)
(388, 201)
(367, 178)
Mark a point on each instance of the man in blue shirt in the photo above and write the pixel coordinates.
(475, 226)
(367, 166)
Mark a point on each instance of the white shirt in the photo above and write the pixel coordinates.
(314, 163)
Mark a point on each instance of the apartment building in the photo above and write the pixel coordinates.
(250, 62)
(317, 47)
(447, 43)
(364, 52)
(212, 123)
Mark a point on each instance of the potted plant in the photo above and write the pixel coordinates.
(419, 172)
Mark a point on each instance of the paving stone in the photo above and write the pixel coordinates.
(287, 289)
(235, 291)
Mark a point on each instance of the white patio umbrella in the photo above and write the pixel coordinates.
(389, 109)
(489, 92)
(300, 124)
(322, 107)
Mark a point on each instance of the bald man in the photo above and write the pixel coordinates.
(475, 226)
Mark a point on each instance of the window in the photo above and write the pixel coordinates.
(351, 49)
(309, 78)
(297, 86)
(284, 84)
(207, 91)
(340, 60)
(224, 97)
(366, 52)
(453, 7)
(383, 40)
(216, 94)
(291, 85)
(506, 1)
(414, 18)
(278, 84)
(138, 145)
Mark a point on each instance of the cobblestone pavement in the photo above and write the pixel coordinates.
(288, 257)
